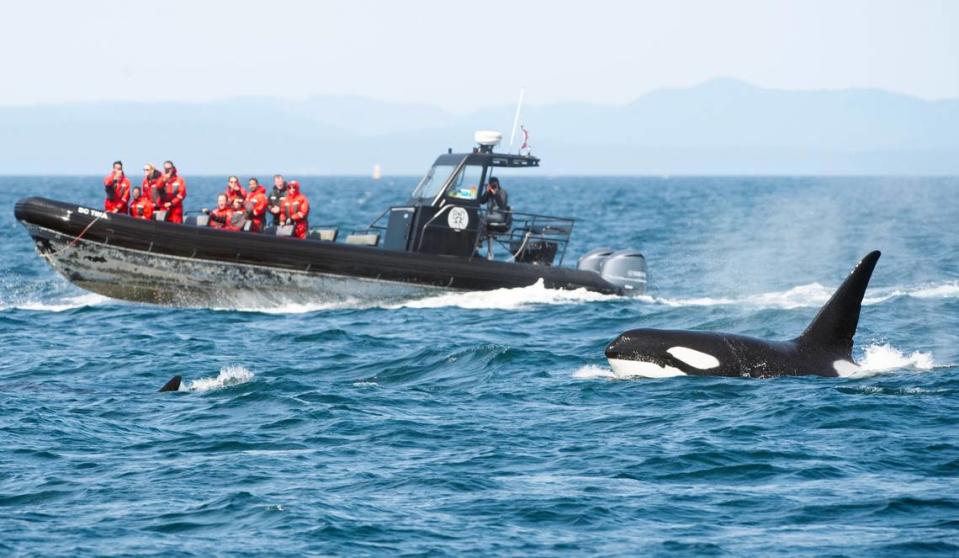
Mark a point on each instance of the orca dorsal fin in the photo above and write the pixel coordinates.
(173, 384)
(835, 325)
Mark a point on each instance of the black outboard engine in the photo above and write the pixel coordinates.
(626, 269)
(593, 260)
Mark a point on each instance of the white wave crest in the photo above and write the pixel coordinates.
(232, 375)
(293, 307)
(591, 372)
(810, 295)
(58, 305)
(506, 299)
(884, 358)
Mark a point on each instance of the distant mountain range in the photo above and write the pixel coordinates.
(723, 126)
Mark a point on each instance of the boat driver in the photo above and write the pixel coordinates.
(498, 218)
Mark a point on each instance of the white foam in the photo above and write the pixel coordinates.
(232, 375)
(506, 299)
(294, 307)
(61, 305)
(811, 295)
(883, 358)
(591, 371)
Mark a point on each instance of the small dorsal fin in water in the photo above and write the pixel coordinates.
(835, 325)
(173, 384)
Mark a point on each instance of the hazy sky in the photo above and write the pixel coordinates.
(463, 55)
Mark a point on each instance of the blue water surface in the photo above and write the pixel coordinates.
(489, 423)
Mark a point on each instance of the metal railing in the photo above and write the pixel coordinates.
(530, 229)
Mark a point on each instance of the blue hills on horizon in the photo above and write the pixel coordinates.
(723, 126)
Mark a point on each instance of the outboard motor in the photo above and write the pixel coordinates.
(626, 269)
(593, 260)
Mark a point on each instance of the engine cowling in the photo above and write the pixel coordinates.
(626, 269)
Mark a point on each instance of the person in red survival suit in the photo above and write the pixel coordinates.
(151, 180)
(141, 207)
(220, 217)
(234, 190)
(255, 205)
(295, 209)
(117, 187)
(238, 217)
(171, 193)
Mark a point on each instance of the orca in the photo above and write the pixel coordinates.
(823, 349)
(173, 384)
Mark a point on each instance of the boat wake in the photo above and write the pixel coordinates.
(57, 304)
(876, 359)
(810, 295)
(229, 376)
(507, 299)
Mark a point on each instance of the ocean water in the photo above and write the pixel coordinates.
(489, 423)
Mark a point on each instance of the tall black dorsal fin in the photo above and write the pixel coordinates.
(835, 325)
(173, 384)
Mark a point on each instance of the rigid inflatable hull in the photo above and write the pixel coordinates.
(166, 263)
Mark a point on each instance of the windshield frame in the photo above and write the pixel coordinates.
(440, 189)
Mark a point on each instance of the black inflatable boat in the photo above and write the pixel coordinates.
(441, 239)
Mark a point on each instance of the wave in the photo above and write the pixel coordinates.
(876, 359)
(884, 358)
(229, 376)
(58, 304)
(591, 372)
(810, 295)
(291, 307)
(506, 299)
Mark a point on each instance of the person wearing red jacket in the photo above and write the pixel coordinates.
(151, 180)
(295, 210)
(117, 187)
(141, 207)
(234, 190)
(255, 205)
(171, 192)
(238, 217)
(221, 216)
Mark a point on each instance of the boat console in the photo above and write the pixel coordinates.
(444, 216)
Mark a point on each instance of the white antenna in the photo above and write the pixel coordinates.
(519, 107)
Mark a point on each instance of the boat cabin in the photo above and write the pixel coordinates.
(444, 215)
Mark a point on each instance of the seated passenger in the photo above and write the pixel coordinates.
(170, 194)
(234, 190)
(255, 205)
(498, 216)
(152, 178)
(117, 187)
(220, 217)
(295, 210)
(237, 217)
(276, 197)
(141, 207)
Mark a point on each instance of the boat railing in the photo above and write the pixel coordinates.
(533, 231)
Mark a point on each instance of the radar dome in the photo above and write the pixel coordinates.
(487, 138)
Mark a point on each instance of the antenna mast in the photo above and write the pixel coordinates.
(519, 107)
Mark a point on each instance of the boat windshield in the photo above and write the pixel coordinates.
(466, 184)
(431, 184)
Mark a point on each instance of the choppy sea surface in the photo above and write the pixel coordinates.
(489, 423)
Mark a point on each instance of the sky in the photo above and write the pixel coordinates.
(465, 55)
